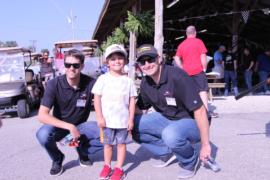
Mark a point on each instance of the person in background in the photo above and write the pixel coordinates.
(248, 66)
(70, 97)
(218, 65)
(230, 74)
(191, 57)
(46, 68)
(263, 68)
(115, 107)
(170, 132)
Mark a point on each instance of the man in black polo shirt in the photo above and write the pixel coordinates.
(170, 131)
(70, 97)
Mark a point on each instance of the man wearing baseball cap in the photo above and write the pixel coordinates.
(170, 132)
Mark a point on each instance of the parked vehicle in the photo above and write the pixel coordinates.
(91, 63)
(19, 89)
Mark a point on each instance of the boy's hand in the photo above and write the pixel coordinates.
(130, 125)
(101, 123)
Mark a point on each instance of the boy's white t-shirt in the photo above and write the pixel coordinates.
(115, 92)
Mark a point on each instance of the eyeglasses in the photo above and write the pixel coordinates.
(147, 59)
(75, 65)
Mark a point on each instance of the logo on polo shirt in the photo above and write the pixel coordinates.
(83, 96)
(166, 93)
(195, 101)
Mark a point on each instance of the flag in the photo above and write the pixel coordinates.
(245, 15)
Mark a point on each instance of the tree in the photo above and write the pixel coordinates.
(119, 36)
(1, 44)
(10, 44)
(137, 25)
(141, 24)
(159, 38)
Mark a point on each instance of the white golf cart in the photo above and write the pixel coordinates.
(19, 91)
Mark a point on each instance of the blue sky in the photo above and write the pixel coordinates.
(46, 21)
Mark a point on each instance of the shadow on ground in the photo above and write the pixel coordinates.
(13, 114)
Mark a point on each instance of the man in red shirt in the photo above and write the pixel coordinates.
(191, 56)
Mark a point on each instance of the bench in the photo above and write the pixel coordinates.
(214, 85)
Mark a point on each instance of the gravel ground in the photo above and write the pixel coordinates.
(240, 141)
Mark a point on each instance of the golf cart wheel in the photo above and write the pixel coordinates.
(23, 108)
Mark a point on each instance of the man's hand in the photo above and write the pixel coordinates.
(203, 125)
(101, 122)
(205, 152)
(74, 132)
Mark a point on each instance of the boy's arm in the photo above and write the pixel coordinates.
(97, 104)
(131, 113)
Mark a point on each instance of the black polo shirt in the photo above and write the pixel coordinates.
(67, 101)
(175, 97)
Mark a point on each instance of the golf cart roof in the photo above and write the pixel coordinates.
(73, 43)
(13, 50)
(34, 55)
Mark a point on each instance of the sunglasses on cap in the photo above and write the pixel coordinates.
(147, 59)
(75, 65)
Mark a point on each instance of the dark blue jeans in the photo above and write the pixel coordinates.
(248, 79)
(263, 76)
(89, 142)
(162, 136)
(228, 77)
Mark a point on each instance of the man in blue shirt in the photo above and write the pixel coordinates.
(70, 98)
(263, 68)
(170, 131)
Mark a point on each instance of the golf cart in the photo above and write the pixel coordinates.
(91, 63)
(19, 90)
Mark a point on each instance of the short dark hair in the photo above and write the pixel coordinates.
(45, 51)
(76, 54)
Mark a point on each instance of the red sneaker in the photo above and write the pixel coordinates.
(118, 174)
(105, 173)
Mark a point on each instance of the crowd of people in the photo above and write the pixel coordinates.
(178, 95)
(231, 65)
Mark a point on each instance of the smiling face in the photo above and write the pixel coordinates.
(150, 66)
(116, 63)
(73, 67)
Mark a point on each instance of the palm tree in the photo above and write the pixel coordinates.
(137, 25)
(119, 36)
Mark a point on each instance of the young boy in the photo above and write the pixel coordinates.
(114, 101)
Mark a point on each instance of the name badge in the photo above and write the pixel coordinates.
(170, 101)
(81, 103)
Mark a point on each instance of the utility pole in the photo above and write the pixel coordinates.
(71, 20)
(33, 45)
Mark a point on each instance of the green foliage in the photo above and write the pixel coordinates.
(142, 24)
(98, 51)
(8, 44)
(119, 36)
